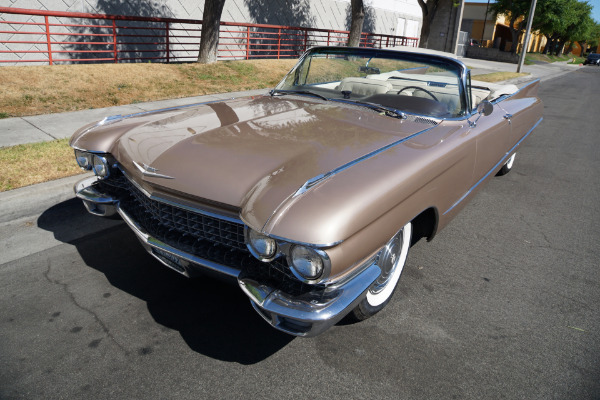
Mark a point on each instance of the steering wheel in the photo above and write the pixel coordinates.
(418, 88)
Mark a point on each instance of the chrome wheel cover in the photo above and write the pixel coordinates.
(391, 261)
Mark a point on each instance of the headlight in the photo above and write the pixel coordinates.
(100, 166)
(305, 263)
(261, 246)
(84, 159)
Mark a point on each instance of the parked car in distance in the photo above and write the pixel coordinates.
(593, 59)
(309, 196)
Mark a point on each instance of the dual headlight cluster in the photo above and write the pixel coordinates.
(98, 163)
(306, 263)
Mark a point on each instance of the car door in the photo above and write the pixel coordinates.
(521, 110)
(493, 133)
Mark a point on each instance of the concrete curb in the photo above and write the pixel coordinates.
(35, 199)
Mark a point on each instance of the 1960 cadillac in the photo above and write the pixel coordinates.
(309, 196)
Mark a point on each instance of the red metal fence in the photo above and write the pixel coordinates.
(37, 36)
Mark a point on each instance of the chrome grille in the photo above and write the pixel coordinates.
(187, 222)
(206, 237)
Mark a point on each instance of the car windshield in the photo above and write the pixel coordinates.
(383, 80)
(594, 56)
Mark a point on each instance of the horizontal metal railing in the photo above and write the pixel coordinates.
(66, 37)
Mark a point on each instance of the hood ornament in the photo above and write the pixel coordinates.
(149, 171)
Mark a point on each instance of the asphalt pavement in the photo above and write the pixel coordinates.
(503, 303)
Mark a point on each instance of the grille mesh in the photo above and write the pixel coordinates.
(186, 222)
(209, 238)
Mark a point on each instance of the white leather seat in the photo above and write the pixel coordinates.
(364, 87)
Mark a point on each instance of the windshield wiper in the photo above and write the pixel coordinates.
(281, 91)
(389, 111)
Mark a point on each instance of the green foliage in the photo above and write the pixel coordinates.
(562, 20)
(594, 36)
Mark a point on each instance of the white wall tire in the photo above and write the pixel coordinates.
(392, 259)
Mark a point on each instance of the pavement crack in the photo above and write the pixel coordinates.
(40, 129)
(71, 296)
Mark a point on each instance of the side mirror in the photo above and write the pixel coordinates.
(485, 108)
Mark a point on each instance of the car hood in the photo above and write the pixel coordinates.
(249, 153)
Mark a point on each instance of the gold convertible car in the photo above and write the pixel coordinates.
(311, 195)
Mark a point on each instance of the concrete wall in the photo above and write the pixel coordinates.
(382, 16)
(444, 27)
(491, 54)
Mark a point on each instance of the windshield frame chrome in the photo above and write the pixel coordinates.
(426, 58)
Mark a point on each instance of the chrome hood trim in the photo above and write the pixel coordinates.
(312, 182)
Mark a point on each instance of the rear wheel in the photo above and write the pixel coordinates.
(507, 166)
(391, 261)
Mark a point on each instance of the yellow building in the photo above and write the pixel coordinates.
(493, 31)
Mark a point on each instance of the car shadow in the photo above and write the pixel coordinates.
(213, 317)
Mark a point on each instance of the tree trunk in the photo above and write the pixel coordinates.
(559, 48)
(514, 33)
(569, 48)
(515, 41)
(583, 45)
(358, 17)
(425, 28)
(211, 22)
(428, 11)
(547, 45)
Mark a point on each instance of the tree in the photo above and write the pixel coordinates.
(211, 23)
(517, 12)
(428, 9)
(563, 21)
(579, 26)
(593, 38)
(548, 20)
(358, 18)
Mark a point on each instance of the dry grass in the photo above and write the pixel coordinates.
(28, 164)
(498, 76)
(549, 58)
(48, 89)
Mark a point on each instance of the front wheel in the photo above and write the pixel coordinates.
(391, 261)
(507, 166)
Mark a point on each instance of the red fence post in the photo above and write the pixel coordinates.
(328, 35)
(247, 43)
(278, 42)
(115, 50)
(48, 40)
(167, 34)
(305, 39)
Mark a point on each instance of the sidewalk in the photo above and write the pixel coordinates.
(544, 72)
(40, 128)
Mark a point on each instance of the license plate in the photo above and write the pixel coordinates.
(171, 260)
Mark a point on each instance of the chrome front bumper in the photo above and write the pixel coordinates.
(305, 315)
